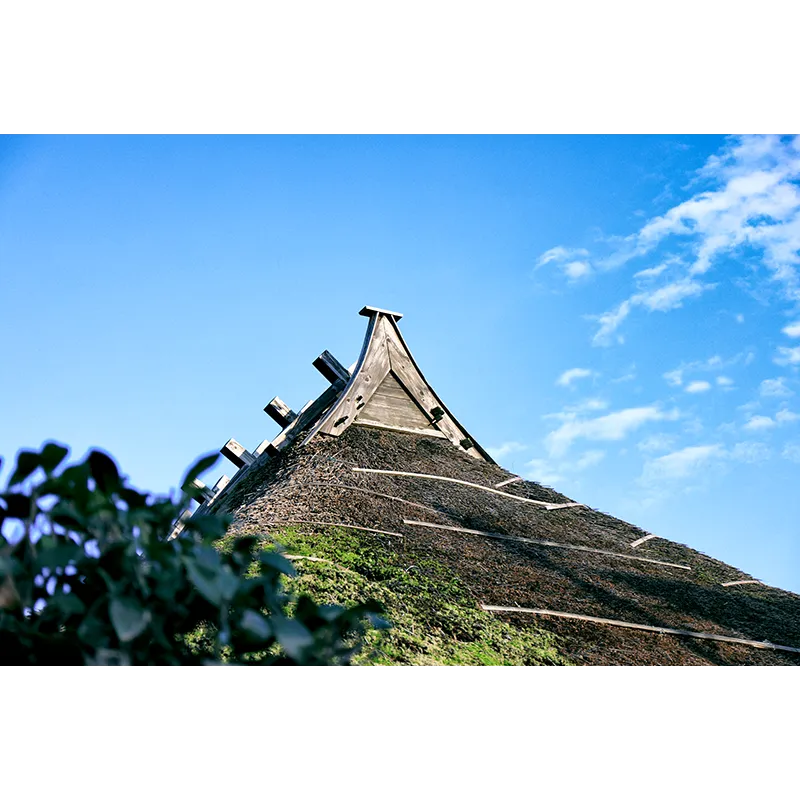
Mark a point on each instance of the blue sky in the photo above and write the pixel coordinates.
(615, 316)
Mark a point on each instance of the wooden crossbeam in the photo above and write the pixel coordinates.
(644, 539)
(206, 492)
(280, 412)
(740, 583)
(542, 503)
(542, 543)
(506, 482)
(331, 369)
(219, 486)
(180, 524)
(237, 453)
(652, 628)
(369, 311)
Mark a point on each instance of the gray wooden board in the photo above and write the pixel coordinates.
(652, 628)
(391, 404)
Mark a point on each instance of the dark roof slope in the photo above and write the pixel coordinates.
(315, 485)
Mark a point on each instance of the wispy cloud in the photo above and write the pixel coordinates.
(715, 363)
(696, 387)
(759, 422)
(787, 356)
(774, 387)
(752, 200)
(571, 261)
(574, 374)
(610, 427)
(680, 464)
(553, 472)
(724, 381)
(505, 449)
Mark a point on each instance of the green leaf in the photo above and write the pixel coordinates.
(292, 636)
(255, 624)
(216, 583)
(128, 618)
(27, 462)
(18, 506)
(277, 562)
(67, 604)
(197, 469)
(104, 471)
(53, 554)
(52, 455)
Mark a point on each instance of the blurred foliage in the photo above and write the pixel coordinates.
(88, 575)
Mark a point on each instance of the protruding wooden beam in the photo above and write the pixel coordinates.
(180, 524)
(205, 492)
(330, 368)
(369, 311)
(237, 454)
(220, 485)
(280, 412)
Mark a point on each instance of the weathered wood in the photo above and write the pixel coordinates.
(219, 486)
(392, 405)
(740, 583)
(506, 482)
(331, 369)
(430, 432)
(307, 416)
(280, 412)
(542, 543)
(644, 539)
(548, 506)
(205, 492)
(385, 352)
(636, 626)
(370, 311)
(180, 524)
(237, 454)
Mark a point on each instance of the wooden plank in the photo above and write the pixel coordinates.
(331, 369)
(430, 432)
(205, 492)
(280, 412)
(740, 583)
(543, 543)
(180, 524)
(652, 628)
(542, 503)
(644, 539)
(510, 480)
(237, 454)
(391, 405)
(371, 311)
(273, 523)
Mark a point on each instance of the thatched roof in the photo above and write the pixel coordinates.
(517, 545)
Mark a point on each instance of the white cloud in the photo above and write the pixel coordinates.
(784, 415)
(559, 254)
(648, 274)
(695, 387)
(543, 472)
(609, 322)
(759, 423)
(575, 270)
(752, 200)
(791, 452)
(611, 427)
(566, 378)
(792, 330)
(656, 442)
(750, 452)
(665, 298)
(505, 449)
(571, 261)
(680, 464)
(774, 387)
(740, 318)
(723, 380)
(787, 356)
(674, 378)
(589, 459)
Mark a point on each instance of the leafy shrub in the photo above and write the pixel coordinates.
(89, 576)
